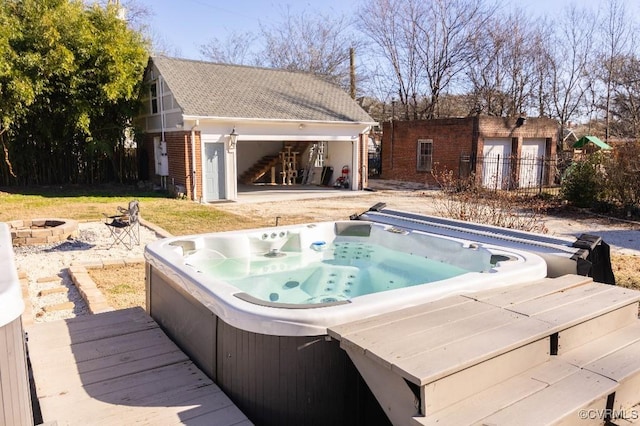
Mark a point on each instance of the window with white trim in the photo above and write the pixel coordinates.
(153, 96)
(425, 155)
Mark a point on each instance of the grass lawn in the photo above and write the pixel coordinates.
(179, 217)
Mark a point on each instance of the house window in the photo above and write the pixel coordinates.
(425, 155)
(153, 97)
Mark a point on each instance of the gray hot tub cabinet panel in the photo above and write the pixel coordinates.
(189, 324)
(15, 400)
(274, 380)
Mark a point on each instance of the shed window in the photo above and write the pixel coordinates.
(425, 155)
(153, 97)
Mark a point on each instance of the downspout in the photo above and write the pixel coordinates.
(193, 160)
(163, 179)
(161, 102)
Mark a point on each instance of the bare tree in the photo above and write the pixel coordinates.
(571, 65)
(425, 45)
(313, 43)
(625, 100)
(616, 38)
(505, 65)
(447, 31)
(391, 27)
(160, 46)
(236, 49)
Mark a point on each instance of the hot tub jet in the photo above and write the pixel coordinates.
(274, 253)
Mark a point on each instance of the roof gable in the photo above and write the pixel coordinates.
(206, 89)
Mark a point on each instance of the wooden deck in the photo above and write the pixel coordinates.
(120, 368)
(537, 353)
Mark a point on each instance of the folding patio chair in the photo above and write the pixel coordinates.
(125, 226)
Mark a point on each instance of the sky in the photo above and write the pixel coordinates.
(183, 26)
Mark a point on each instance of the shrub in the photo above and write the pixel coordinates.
(466, 199)
(583, 182)
(622, 184)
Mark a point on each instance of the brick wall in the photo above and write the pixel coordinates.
(501, 127)
(531, 128)
(179, 154)
(452, 138)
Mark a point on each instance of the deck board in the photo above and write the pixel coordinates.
(619, 365)
(362, 325)
(599, 348)
(581, 309)
(500, 396)
(437, 324)
(559, 300)
(452, 334)
(509, 295)
(575, 390)
(422, 368)
(120, 368)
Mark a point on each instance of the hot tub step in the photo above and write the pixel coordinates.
(528, 400)
(603, 374)
(450, 352)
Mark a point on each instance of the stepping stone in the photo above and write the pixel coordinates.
(54, 290)
(47, 279)
(59, 307)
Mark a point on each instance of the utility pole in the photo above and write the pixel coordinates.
(352, 72)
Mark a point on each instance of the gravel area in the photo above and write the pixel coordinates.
(46, 267)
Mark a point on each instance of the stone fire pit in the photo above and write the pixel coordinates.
(42, 231)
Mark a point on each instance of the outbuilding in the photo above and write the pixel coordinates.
(502, 152)
(205, 127)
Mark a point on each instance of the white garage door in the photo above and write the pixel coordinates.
(531, 163)
(495, 164)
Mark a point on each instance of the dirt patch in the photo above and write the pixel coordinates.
(626, 269)
(123, 286)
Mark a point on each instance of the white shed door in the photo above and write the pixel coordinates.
(531, 162)
(214, 171)
(495, 164)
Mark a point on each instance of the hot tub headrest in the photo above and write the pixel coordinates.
(353, 229)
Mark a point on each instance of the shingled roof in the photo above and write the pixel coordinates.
(206, 89)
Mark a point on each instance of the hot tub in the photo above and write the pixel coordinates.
(252, 308)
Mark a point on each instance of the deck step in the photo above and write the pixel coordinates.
(549, 394)
(447, 337)
(455, 348)
(556, 391)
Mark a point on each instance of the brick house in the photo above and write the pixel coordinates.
(416, 150)
(205, 127)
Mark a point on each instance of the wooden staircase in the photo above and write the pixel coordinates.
(263, 166)
(259, 169)
(556, 351)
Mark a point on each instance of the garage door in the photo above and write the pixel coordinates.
(531, 163)
(496, 163)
